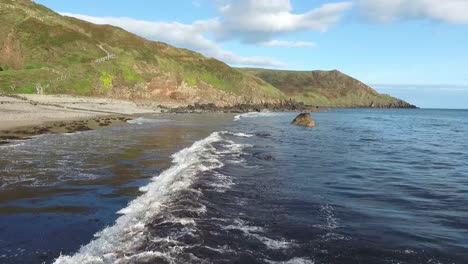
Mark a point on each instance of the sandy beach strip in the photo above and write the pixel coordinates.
(22, 116)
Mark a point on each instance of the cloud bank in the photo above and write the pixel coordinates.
(290, 44)
(257, 21)
(449, 11)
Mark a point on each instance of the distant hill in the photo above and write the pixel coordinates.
(62, 55)
(67, 55)
(326, 88)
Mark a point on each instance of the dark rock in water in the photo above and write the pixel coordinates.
(10, 138)
(266, 157)
(263, 134)
(304, 119)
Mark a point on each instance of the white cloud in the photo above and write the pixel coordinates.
(450, 11)
(257, 21)
(181, 35)
(249, 21)
(290, 44)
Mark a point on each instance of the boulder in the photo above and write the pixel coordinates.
(304, 119)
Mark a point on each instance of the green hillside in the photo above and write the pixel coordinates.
(67, 55)
(326, 88)
(42, 50)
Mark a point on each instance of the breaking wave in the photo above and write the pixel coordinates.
(142, 121)
(254, 114)
(156, 225)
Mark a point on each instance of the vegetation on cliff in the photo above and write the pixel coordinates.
(67, 55)
(326, 88)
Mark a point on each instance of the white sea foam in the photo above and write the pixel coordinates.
(12, 145)
(182, 221)
(221, 183)
(77, 175)
(233, 149)
(254, 114)
(142, 120)
(328, 213)
(331, 224)
(292, 261)
(258, 233)
(238, 134)
(72, 133)
(120, 243)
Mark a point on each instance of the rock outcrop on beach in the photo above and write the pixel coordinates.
(327, 89)
(304, 119)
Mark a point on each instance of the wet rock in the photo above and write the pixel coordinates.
(265, 157)
(304, 119)
(282, 106)
(263, 134)
(10, 138)
(81, 128)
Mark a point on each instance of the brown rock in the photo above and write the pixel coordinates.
(304, 119)
(11, 53)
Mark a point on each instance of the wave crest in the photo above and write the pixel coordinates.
(122, 242)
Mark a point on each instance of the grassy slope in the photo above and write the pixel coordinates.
(325, 88)
(60, 51)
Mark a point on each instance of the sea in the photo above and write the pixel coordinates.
(363, 186)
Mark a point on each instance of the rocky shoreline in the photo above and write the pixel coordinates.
(25, 116)
(61, 127)
(285, 106)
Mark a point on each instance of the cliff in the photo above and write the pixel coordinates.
(326, 89)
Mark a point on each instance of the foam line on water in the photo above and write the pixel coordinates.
(12, 145)
(142, 121)
(238, 134)
(118, 243)
(259, 234)
(254, 114)
(292, 261)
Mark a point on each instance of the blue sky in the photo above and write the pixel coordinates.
(414, 49)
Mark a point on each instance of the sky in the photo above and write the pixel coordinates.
(416, 50)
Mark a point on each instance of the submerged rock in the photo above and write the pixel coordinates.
(304, 119)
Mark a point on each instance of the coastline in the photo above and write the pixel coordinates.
(27, 115)
(24, 116)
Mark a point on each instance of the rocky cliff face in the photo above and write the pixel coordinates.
(11, 54)
(327, 89)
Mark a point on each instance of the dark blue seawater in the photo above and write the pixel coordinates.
(363, 186)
